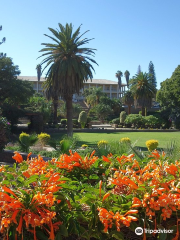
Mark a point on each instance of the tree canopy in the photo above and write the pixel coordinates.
(152, 74)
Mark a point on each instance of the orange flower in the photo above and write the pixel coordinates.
(17, 157)
(106, 196)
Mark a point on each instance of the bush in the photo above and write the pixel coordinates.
(64, 121)
(44, 138)
(135, 119)
(4, 132)
(26, 140)
(151, 120)
(125, 140)
(115, 121)
(102, 144)
(82, 119)
(152, 144)
(122, 116)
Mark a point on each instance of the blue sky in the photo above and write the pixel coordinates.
(126, 33)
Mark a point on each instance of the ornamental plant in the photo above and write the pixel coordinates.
(102, 144)
(151, 144)
(125, 140)
(82, 118)
(43, 138)
(4, 132)
(74, 197)
(26, 140)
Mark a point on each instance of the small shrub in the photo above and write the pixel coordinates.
(152, 144)
(44, 138)
(122, 116)
(125, 140)
(102, 144)
(115, 121)
(82, 119)
(84, 146)
(64, 121)
(4, 132)
(26, 140)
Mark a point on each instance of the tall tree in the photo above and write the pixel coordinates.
(152, 74)
(127, 74)
(143, 91)
(139, 70)
(119, 74)
(2, 41)
(69, 64)
(39, 73)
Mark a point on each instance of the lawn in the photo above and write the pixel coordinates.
(137, 138)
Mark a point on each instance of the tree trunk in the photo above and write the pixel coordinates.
(68, 100)
(143, 111)
(129, 109)
(55, 106)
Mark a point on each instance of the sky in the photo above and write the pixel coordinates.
(126, 33)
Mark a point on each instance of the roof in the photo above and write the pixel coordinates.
(94, 81)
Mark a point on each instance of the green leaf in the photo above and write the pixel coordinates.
(94, 176)
(84, 233)
(58, 236)
(6, 182)
(162, 236)
(63, 230)
(40, 235)
(32, 179)
(20, 179)
(118, 236)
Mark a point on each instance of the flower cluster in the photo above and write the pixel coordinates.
(44, 138)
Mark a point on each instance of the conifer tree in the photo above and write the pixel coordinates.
(152, 74)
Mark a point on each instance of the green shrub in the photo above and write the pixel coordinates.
(82, 118)
(122, 116)
(125, 140)
(135, 119)
(151, 120)
(4, 132)
(115, 121)
(152, 144)
(64, 121)
(43, 138)
(26, 140)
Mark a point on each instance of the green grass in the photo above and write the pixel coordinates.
(139, 138)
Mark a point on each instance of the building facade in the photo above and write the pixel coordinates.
(109, 87)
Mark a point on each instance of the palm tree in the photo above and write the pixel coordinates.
(128, 99)
(51, 93)
(39, 73)
(127, 74)
(119, 74)
(69, 64)
(143, 91)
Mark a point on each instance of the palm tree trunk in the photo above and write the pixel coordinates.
(68, 100)
(143, 111)
(129, 109)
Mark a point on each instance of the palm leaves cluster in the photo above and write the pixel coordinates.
(119, 74)
(68, 64)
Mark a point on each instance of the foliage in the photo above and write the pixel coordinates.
(143, 90)
(122, 116)
(152, 74)
(26, 140)
(82, 119)
(2, 41)
(76, 109)
(102, 111)
(102, 144)
(151, 120)
(119, 74)
(115, 121)
(88, 198)
(125, 140)
(43, 138)
(135, 119)
(4, 132)
(69, 64)
(169, 96)
(127, 74)
(152, 144)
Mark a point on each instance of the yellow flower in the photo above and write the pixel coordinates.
(152, 144)
(125, 140)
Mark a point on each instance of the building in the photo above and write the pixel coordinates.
(109, 87)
